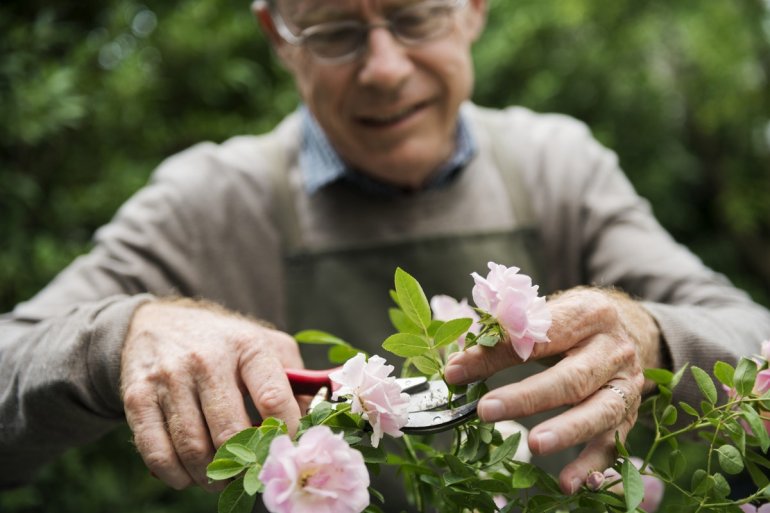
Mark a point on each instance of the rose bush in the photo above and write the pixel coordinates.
(486, 467)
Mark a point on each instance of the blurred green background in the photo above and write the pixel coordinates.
(94, 94)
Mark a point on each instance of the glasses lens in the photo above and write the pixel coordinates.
(340, 40)
(422, 21)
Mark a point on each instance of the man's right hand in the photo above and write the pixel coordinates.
(185, 369)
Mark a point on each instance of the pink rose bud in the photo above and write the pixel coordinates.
(321, 473)
(511, 298)
(595, 480)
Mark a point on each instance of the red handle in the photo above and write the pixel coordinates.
(309, 381)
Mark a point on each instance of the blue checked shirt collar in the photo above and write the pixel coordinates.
(321, 165)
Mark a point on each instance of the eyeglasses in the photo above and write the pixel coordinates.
(337, 42)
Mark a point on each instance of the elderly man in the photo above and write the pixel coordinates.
(385, 164)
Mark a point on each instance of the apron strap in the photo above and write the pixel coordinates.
(498, 134)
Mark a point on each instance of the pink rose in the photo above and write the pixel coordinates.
(375, 393)
(447, 308)
(750, 508)
(653, 487)
(321, 474)
(511, 298)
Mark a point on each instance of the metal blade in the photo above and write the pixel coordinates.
(427, 422)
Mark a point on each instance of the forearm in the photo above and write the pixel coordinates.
(701, 335)
(59, 382)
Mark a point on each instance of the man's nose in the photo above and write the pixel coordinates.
(386, 63)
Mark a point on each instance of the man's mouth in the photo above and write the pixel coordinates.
(392, 118)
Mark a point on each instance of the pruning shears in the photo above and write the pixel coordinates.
(430, 408)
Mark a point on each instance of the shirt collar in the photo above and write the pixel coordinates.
(321, 165)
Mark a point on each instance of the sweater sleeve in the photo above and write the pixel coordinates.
(60, 351)
(598, 231)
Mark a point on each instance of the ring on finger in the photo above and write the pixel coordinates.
(619, 391)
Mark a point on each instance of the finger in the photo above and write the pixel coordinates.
(599, 454)
(568, 382)
(187, 429)
(148, 426)
(601, 412)
(576, 316)
(270, 390)
(223, 408)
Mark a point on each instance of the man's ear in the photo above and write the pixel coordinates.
(478, 17)
(261, 12)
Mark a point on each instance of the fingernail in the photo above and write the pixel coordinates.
(574, 485)
(545, 442)
(491, 410)
(454, 373)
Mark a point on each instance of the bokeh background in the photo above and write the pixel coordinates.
(94, 94)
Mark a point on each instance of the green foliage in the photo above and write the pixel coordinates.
(93, 95)
(679, 90)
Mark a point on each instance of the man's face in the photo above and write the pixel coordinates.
(392, 112)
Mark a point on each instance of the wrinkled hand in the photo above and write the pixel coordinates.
(184, 371)
(602, 337)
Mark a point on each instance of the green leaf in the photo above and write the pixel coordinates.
(406, 345)
(745, 375)
(705, 384)
(241, 452)
(373, 454)
(433, 328)
(234, 499)
(633, 487)
(730, 459)
(318, 337)
(488, 340)
(620, 446)
(677, 377)
(721, 487)
(412, 299)
(689, 409)
(700, 482)
(223, 468)
(248, 437)
(764, 401)
(504, 451)
(669, 415)
(757, 426)
(451, 331)
(659, 376)
(524, 477)
(759, 478)
(724, 373)
(251, 482)
(402, 323)
(458, 467)
(341, 354)
(493, 485)
(426, 364)
(677, 464)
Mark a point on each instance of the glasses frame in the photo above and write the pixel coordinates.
(300, 39)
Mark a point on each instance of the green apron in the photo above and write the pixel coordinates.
(341, 285)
